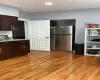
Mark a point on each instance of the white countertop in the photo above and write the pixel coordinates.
(13, 40)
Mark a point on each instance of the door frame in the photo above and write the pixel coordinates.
(26, 23)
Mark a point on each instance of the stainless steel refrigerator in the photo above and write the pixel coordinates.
(61, 38)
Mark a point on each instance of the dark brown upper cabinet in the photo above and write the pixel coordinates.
(14, 22)
(8, 23)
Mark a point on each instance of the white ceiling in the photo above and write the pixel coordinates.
(38, 5)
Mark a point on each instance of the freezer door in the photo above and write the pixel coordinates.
(65, 42)
(65, 29)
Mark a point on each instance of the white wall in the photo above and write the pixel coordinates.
(9, 33)
(81, 16)
(8, 10)
(13, 11)
(24, 15)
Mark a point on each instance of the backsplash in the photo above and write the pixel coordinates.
(9, 33)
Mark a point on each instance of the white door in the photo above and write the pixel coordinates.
(44, 35)
(40, 35)
(33, 35)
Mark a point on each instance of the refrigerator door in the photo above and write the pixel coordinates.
(56, 42)
(65, 42)
(52, 42)
(65, 29)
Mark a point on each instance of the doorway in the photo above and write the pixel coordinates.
(62, 35)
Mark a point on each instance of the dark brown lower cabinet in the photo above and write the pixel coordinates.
(21, 48)
(17, 49)
(5, 50)
(25, 47)
(14, 49)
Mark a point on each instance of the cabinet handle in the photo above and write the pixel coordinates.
(11, 26)
(22, 46)
(0, 50)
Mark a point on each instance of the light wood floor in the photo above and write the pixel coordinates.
(50, 66)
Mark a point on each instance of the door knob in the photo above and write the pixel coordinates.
(47, 37)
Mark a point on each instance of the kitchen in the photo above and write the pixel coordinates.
(16, 34)
(30, 52)
(16, 39)
(12, 34)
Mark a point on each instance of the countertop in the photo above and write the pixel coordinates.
(13, 40)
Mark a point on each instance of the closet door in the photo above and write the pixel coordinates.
(40, 35)
(33, 35)
(44, 35)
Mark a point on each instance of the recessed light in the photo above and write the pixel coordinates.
(48, 3)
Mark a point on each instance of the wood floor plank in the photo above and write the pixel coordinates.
(57, 65)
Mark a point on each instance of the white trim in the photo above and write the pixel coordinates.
(23, 19)
(93, 35)
(92, 42)
(85, 41)
(92, 28)
(93, 48)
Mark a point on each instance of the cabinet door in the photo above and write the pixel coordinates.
(5, 50)
(5, 23)
(14, 22)
(21, 48)
(26, 47)
(17, 48)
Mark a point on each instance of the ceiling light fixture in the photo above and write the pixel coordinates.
(48, 3)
